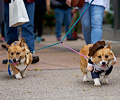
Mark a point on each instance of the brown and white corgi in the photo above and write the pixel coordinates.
(100, 61)
(20, 56)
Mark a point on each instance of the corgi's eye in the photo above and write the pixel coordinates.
(99, 56)
(12, 53)
(106, 56)
(18, 53)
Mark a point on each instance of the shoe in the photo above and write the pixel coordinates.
(42, 39)
(71, 39)
(58, 38)
(35, 35)
(5, 61)
(35, 59)
(4, 46)
(38, 39)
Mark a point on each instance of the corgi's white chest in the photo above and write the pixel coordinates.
(21, 67)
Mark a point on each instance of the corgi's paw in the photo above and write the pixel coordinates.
(23, 74)
(105, 80)
(85, 78)
(18, 76)
(97, 82)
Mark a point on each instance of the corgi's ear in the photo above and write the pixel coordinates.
(7, 45)
(22, 42)
(109, 46)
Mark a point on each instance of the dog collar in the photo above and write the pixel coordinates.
(15, 43)
(10, 61)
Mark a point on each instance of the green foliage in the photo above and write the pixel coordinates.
(49, 19)
(109, 18)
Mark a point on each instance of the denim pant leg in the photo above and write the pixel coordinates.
(1, 13)
(67, 21)
(27, 28)
(86, 23)
(11, 33)
(59, 15)
(97, 13)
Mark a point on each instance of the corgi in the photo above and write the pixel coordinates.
(100, 62)
(20, 56)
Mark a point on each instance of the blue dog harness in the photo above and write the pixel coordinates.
(9, 72)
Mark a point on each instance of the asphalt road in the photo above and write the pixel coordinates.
(58, 85)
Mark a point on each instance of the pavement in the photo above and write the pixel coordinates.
(57, 76)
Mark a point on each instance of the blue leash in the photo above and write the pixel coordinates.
(69, 30)
(46, 47)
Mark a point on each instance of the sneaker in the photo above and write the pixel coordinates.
(5, 61)
(35, 59)
(4, 46)
(38, 39)
(71, 39)
(35, 35)
(42, 39)
(58, 38)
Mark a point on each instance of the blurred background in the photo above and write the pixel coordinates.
(111, 24)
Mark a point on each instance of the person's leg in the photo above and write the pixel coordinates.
(96, 22)
(67, 21)
(35, 32)
(86, 23)
(27, 28)
(10, 32)
(1, 13)
(39, 23)
(59, 20)
(2, 30)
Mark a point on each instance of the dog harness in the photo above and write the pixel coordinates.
(95, 74)
(98, 70)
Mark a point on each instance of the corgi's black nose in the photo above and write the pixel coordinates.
(103, 63)
(14, 60)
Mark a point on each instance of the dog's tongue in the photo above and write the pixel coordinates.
(103, 66)
(14, 63)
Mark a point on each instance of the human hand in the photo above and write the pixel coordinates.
(68, 2)
(48, 9)
(73, 11)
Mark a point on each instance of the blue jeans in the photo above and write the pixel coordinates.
(12, 33)
(1, 12)
(92, 23)
(61, 16)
